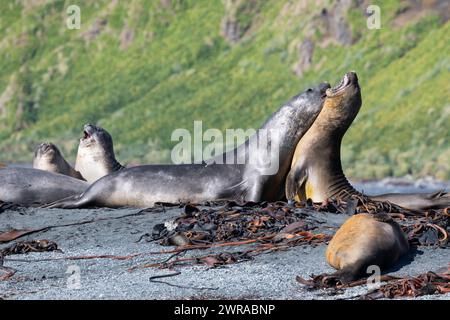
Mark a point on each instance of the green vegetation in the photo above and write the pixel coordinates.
(144, 68)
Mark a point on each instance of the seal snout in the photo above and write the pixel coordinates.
(88, 131)
(349, 79)
(352, 77)
(44, 147)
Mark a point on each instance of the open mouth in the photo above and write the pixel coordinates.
(346, 81)
(87, 132)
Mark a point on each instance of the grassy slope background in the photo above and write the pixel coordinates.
(144, 68)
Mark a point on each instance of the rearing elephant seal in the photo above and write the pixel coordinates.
(96, 157)
(316, 171)
(48, 157)
(142, 186)
(365, 240)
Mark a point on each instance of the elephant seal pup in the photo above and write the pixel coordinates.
(142, 186)
(365, 240)
(316, 171)
(96, 157)
(48, 157)
(27, 186)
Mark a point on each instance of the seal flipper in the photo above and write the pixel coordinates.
(72, 202)
(351, 272)
(237, 191)
(295, 182)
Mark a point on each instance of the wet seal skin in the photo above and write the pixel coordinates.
(27, 186)
(95, 157)
(142, 186)
(48, 157)
(365, 240)
(316, 171)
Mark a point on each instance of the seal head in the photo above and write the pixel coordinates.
(48, 157)
(342, 105)
(96, 157)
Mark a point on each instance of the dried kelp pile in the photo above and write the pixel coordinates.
(265, 226)
(236, 222)
(424, 284)
(29, 246)
(431, 228)
(21, 248)
(393, 287)
(8, 206)
(359, 203)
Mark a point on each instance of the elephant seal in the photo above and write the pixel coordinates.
(48, 157)
(142, 186)
(27, 186)
(316, 170)
(364, 240)
(417, 201)
(95, 157)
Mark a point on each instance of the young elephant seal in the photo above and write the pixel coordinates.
(365, 240)
(96, 158)
(48, 157)
(316, 171)
(142, 186)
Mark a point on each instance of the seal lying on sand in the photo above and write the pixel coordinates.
(365, 240)
(417, 201)
(96, 158)
(26, 186)
(48, 157)
(142, 186)
(316, 171)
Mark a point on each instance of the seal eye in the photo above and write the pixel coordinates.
(309, 90)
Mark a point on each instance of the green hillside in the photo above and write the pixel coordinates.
(144, 68)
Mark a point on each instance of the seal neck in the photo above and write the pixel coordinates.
(116, 166)
(274, 143)
(340, 187)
